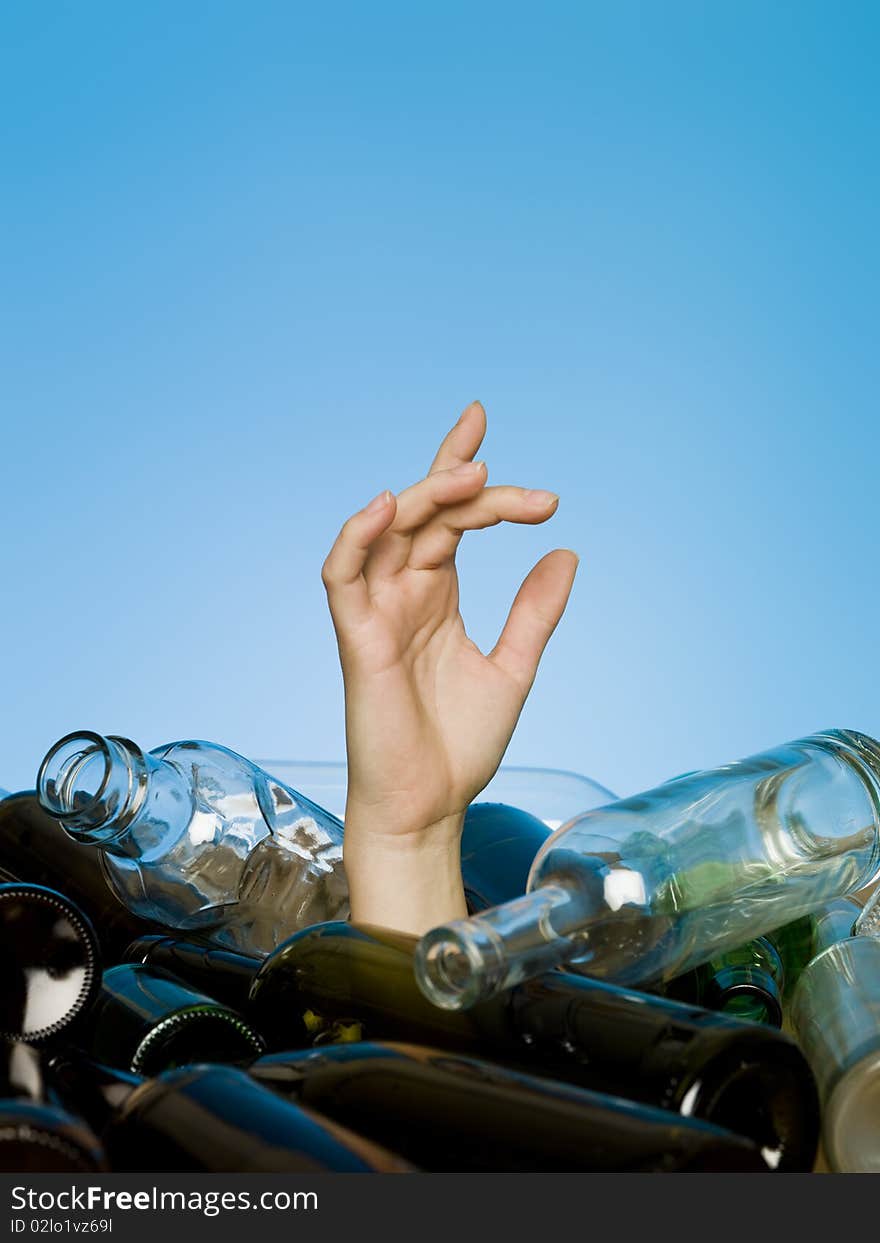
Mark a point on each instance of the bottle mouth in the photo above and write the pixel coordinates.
(200, 1033)
(451, 966)
(49, 963)
(91, 783)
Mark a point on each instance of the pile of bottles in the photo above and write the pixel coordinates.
(678, 981)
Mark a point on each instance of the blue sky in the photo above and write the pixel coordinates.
(255, 260)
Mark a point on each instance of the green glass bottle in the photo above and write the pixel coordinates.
(447, 1113)
(146, 1021)
(342, 981)
(746, 983)
(211, 1119)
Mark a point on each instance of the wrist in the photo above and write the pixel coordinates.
(406, 879)
(408, 834)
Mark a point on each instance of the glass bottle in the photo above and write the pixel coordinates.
(146, 1021)
(35, 1135)
(339, 982)
(446, 1112)
(197, 837)
(50, 967)
(746, 983)
(498, 847)
(835, 1012)
(34, 847)
(213, 1119)
(554, 795)
(219, 973)
(650, 886)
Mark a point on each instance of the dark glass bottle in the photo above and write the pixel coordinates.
(445, 1112)
(498, 847)
(50, 968)
(146, 1021)
(35, 1135)
(222, 974)
(746, 983)
(88, 1089)
(741, 1076)
(35, 848)
(208, 1118)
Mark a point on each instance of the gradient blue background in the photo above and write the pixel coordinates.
(255, 260)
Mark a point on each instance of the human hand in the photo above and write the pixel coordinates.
(428, 716)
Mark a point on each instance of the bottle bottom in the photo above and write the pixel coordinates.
(852, 1119)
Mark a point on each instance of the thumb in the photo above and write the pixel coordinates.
(534, 615)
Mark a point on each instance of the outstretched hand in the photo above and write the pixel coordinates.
(428, 716)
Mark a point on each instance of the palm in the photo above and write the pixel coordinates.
(434, 714)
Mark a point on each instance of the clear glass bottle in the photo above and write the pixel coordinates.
(34, 847)
(646, 888)
(197, 837)
(835, 1012)
(554, 795)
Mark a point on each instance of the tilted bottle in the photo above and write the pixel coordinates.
(835, 1011)
(746, 983)
(197, 837)
(446, 1112)
(756, 980)
(213, 1119)
(646, 888)
(50, 965)
(339, 981)
(35, 848)
(35, 1135)
(146, 1021)
(552, 795)
(498, 847)
(223, 974)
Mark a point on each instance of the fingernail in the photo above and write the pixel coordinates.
(468, 468)
(540, 499)
(378, 502)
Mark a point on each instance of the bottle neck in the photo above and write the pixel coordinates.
(471, 960)
(99, 788)
(747, 983)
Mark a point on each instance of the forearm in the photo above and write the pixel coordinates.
(407, 881)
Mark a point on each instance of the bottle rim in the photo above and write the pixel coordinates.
(88, 940)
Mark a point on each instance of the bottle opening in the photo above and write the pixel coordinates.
(93, 785)
(454, 970)
(74, 774)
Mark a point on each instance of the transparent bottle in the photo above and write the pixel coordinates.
(554, 795)
(648, 887)
(835, 1012)
(197, 837)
